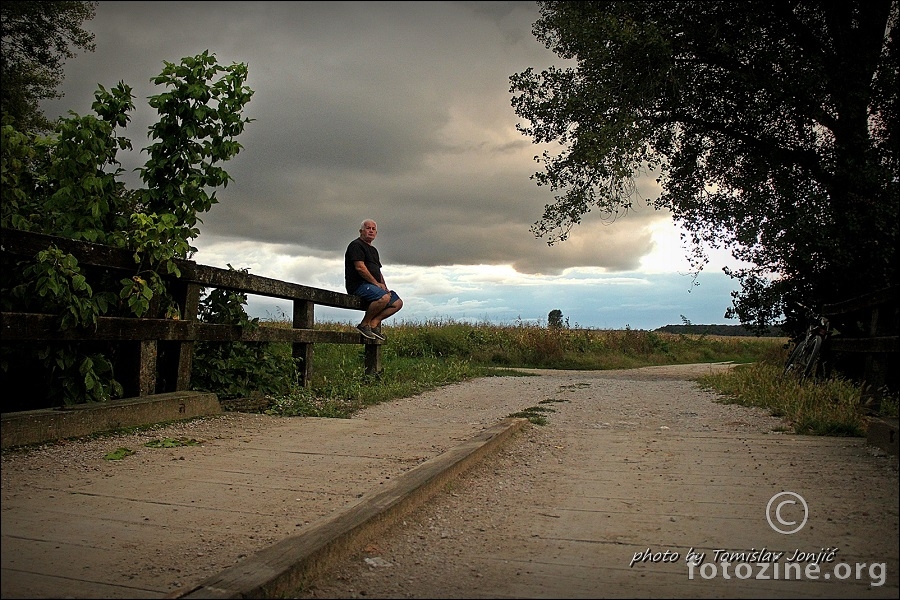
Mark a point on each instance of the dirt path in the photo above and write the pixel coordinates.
(520, 525)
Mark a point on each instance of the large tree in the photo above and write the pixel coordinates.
(35, 40)
(770, 127)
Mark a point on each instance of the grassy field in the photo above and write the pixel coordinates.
(422, 356)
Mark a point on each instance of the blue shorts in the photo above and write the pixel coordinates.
(371, 292)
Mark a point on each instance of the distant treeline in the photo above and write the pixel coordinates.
(719, 330)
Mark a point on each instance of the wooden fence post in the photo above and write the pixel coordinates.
(190, 309)
(147, 367)
(373, 360)
(304, 318)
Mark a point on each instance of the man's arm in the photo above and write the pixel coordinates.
(364, 272)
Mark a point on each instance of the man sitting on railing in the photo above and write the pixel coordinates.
(363, 278)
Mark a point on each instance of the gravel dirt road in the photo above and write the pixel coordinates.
(629, 460)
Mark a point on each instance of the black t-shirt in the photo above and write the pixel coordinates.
(359, 250)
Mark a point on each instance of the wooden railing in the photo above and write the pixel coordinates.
(874, 345)
(164, 347)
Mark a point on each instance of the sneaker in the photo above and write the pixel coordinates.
(367, 332)
(376, 331)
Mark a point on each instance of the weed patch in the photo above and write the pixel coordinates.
(118, 454)
(171, 443)
(534, 414)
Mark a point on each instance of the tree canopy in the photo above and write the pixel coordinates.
(35, 40)
(770, 127)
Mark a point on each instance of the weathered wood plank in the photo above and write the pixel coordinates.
(29, 243)
(884, 296)
(265, 286)
(31, 326)
(883, 344)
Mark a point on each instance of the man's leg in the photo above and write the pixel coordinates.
(387, 311)
(375, 308)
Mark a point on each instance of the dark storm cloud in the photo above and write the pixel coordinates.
(400, 112)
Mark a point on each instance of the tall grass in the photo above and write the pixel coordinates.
(831, 407)
(422, 356)
(533, 346)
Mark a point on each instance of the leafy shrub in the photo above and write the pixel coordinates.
(66, 185)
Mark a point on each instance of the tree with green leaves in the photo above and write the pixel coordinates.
(771, 128)
(555, 319)
(35, 40)
(66, 184)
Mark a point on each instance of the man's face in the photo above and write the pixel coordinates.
(369, 231)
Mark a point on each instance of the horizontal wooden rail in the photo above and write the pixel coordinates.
(883, 344)
(866, 301)
(32, 326)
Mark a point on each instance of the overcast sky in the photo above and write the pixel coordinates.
(399, 112)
